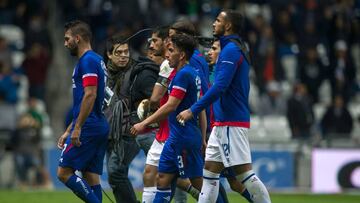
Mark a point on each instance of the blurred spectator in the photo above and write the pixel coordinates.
(5, 54)
(272, 102)
(37, 33)
(9, 83)
(342, 72)
(27, 145)
(300, 113)
(312, 72)
(6, 14)
(337, 120)
(35, 66)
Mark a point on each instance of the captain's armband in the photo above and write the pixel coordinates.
(163, 81)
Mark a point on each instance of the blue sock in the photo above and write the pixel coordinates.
(97, 191)
(247, 195)
(81, 189)
(163, 195)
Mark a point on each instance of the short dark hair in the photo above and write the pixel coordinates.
(185, 43)
(236, 19)
(162, 32)
(184, 26)
(115, 39)
(79, 27)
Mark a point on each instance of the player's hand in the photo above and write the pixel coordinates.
(75, 137)
(62, 140)
(137, 128)
(184, 116)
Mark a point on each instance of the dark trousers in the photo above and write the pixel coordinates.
(118, 159)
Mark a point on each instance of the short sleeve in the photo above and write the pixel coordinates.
(165, 69)
(89, 71)
(180, 85)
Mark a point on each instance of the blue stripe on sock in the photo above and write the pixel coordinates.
(247, 195)
(210, 178)
(247, 178)
(164, 189)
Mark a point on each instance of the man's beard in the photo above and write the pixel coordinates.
(157, 52)
(73, 51)
(219, 34)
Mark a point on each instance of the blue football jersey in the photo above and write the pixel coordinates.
(186, 85)
(89, 71)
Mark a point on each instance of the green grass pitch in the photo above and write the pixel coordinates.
(13, 196)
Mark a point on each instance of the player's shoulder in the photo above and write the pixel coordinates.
(187, 71)
(91, 56)
(165, 70)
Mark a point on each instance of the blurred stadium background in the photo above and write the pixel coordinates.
(305, 93)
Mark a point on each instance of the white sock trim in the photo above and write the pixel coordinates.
(150, 189)
(245, 176)
(210, 175)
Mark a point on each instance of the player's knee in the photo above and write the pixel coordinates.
(149, 177)
(161, 181)
(62, 176)
(235, 186)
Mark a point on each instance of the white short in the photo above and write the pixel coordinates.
(154, 153)
(229, 145)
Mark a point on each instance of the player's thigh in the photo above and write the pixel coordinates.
(212, 152)
(79, 158)
(235, 147)
(154, 153)
(191, 163)
(168, 162)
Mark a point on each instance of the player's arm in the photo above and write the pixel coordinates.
(203, 127)
(161, 84)
(157, 93)
(87, 104)
(226, 70)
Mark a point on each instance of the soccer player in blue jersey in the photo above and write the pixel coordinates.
(228, 145)
(84, 142)
(198, 61)
(181, 154)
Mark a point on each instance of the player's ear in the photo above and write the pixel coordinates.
(109, 55)
(182, 55)
(228, 26)
(77, 39)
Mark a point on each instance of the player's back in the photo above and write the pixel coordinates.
(186, 85)
(89, 71)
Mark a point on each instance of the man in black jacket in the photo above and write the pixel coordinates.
(128, 83)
